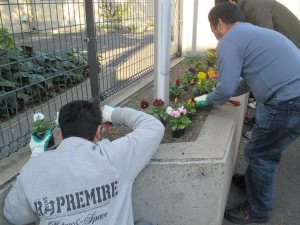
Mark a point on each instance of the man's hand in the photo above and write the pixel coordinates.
(201, 100)
(39, 146)
(106, 113)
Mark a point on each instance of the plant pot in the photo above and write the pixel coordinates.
(190, 116)
(164, 122)
(203, 107)
(51, 142)
(178, 133)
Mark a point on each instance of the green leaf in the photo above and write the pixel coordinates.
(49, 83)
(7, 83)
(40, 56)
(21, 75)
(8, 98)
(69, 65)
(28, 50)
(23, 96)
(64, 55)
(26, 66)
(36, 78)
(38, 69)
(14, 54)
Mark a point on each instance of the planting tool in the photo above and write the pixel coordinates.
(235, 103)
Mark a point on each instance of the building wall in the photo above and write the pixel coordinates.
(197, 36)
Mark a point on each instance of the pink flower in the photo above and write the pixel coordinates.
(176, 114)
(172, 112)
(182, 110)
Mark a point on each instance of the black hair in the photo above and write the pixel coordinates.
(79, 118)
(220, 1)
(229, 13)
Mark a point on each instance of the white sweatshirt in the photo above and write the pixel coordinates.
(86, 183)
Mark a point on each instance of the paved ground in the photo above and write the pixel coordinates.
(287, 190)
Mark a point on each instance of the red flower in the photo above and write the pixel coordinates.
(177, 82)
(106, 126)
(158, 102)
(144, 104)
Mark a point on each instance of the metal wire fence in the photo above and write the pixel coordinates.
(45, 62)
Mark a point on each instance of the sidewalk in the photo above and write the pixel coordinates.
(287, 185)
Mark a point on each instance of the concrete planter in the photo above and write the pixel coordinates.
(188, 183)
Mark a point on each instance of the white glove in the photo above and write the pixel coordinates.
(39, 146)
(106, 113)
(201, 100)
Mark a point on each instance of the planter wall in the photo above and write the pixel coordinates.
(188, 183)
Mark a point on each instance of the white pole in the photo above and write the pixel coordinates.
(162, 41)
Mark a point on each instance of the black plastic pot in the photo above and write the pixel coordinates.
(178, 133)
(164, 122)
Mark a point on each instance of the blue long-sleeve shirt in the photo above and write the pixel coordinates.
(256, 59)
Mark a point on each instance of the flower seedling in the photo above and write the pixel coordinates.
(178, 118)
(158, 110)
(40, 125)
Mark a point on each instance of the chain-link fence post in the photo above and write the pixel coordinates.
(92, 50)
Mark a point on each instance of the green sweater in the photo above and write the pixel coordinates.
(272, 15)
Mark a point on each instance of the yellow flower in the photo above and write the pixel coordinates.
(191, 102)
(192, 82)
(176, 100)
(199, 82)
(201, 75)
(212, 52)
(211, 73)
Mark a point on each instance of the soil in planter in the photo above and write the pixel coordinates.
(192, 131)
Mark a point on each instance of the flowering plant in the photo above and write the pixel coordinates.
(205, 82)
(175, 89)
(158, 110)
(40, 125)
(188, 77)
(211, 57)
(190, 106)
(178, 118)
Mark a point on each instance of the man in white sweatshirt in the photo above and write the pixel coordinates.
(85, 180)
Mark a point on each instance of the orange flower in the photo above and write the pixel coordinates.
(212, 74)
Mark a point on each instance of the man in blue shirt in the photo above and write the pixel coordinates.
(265, 62)
(273, 15)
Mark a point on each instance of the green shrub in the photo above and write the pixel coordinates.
(6, 41)
(28, 76)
